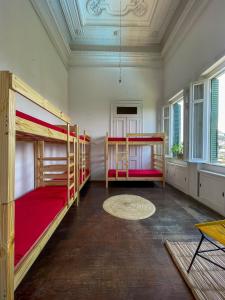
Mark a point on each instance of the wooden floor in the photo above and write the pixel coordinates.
(94, 256)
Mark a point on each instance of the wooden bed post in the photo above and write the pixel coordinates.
(84, 156)
(74, 167)
(68, 163)
(38, 163)
(127, 157)
(117, 160)
(106, 160)
(78, 164)
(7, 182)
(89, 156)
(152, 157)
(76, 161)
(163, 161)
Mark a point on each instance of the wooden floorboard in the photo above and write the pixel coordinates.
(94, 256)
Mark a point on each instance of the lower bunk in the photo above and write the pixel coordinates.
(135, 175)
(37, 215)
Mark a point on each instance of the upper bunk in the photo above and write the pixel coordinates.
(28, 127)
(84, 138)
(31, 128)
(137, 139)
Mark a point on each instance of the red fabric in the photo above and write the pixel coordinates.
(135, 139)
(40, 122)
(136, 173)
(86, 138)
(33, 213)
(82, 178)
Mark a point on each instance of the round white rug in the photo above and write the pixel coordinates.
(129, 207)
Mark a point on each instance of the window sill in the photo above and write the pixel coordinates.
(176, 161)
(215, 168)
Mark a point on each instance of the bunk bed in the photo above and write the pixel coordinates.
(117, 159)
(84, 159)
(24, 228)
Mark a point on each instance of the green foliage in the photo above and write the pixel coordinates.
(178, 150)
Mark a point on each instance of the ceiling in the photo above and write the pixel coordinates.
(99, 28)
(95, 24)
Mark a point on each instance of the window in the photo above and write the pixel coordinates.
(126, 110)
(166, 128)
(217, 122)
(173, 125)
(178, 122)
(198, 123)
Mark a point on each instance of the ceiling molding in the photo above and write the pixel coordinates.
(189, 16)
(57, 35)
(57, 17)
(96, 7)
(152, 17)
(112, 59)
(152, 48)
(70, 10)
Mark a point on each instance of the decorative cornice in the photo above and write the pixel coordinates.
(53, 21)
(112, 59)
(151, 48)
(96, 7)
(57, 37)
(70, 10)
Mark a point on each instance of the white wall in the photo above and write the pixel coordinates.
(200, 48)
(203, 45)
(26, 50)
(93, 89)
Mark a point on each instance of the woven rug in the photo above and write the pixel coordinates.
(129, 207)
(205, 280)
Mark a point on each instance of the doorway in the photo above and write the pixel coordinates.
(127, 117)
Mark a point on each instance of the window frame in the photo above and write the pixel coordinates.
(205, 119)
(169, 154)
(172, 117)
(173, 100)
(176, 98)
(216, 73)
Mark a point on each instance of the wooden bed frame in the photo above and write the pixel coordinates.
(138, 139)
(14, 128)
(84, 158)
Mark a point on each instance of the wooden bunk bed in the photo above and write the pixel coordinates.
(120, 158)
(84, 158)
(24, 228)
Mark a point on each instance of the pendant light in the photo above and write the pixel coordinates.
(120, 49)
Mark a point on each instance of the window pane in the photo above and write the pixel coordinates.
(166, 130)
(126, 110)
(214, 120)
(199, 91)
(221, 120)
(217, 130)
(198, 131)
(166, 112)
(178, 121)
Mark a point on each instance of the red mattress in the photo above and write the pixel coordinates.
(48, 125)
(135, 139)
(40, 122)
(33, 213)
(136, 173)
(86, 138)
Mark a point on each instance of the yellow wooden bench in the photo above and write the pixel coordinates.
(210, 231)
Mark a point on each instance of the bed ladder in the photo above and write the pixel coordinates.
(123, 157)
(58, 170)
(83, 158)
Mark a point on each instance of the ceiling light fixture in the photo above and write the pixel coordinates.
(120, 50)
